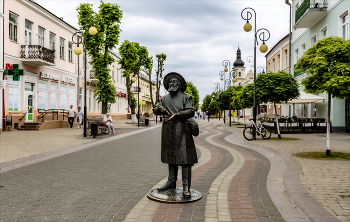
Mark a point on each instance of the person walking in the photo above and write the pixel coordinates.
(79, 117)
(71, 115)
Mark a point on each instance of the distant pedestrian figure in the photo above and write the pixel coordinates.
(208, 114)
(79, 117)
(71, 115)
(198, 114)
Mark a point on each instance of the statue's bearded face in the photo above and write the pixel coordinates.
(174, 85)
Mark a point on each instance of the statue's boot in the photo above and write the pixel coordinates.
(186, 181)
(172, 178)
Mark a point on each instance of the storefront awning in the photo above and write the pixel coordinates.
(306, 98)
(121, 94)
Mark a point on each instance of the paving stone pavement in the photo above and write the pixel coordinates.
(108, 180)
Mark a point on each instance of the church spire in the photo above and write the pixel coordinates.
(238, 61)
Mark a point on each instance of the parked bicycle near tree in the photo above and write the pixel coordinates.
(257, 128)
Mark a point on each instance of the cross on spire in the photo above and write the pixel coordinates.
(15, 71)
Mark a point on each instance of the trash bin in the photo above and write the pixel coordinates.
(94, 129)
(146, 122)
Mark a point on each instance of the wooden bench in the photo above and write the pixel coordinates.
(102, 129)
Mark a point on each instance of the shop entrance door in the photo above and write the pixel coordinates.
(29, 107)
(29, 101)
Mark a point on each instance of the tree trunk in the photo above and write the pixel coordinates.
(104, 107)
(328, 151)
(277, 124)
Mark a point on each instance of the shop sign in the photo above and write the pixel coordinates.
(49, 76)
(68, 80)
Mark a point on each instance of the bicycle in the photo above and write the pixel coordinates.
(257, 128)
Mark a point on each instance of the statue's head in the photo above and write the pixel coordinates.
(174, 82)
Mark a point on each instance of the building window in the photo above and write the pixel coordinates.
(63, 99)
(313, 39)
(13, 25)
(286, 59)
(279, 61)
(303, 48)
(28, 32)
(41, 36)
(273, 65)
(324, 32)
(62, 48)
(296, 55)
(13, 95)
(113, 73)
(70, 52)
(90, 101)
(53, 96)
(71, 95)
(42, 94)
(344, 21)
(52, 41)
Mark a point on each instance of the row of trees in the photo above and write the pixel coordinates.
(270, 88)
(134, 57)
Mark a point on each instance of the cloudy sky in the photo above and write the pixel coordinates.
(196, 35)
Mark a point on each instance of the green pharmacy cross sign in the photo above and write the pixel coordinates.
(14, 71)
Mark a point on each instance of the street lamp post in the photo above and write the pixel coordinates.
(263, 48)
(78, 51)
(226, 63)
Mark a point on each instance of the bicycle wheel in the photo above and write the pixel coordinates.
(265, 132)
(249, 133)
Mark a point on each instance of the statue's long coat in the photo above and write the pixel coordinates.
(177, 146)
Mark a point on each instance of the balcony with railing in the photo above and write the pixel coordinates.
(37, 55)
(309, 12)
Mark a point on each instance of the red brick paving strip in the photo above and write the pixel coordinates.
(166, 212)
(240, 205)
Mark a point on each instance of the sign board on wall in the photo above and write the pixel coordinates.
(64, 79)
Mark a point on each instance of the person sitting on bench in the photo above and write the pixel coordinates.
(107, 119)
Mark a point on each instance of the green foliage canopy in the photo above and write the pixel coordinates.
(328, 64)
(107, 22)
(193, 91)
(133, 57)
(276, 87)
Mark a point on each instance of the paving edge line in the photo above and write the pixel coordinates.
(294, 189)
(14, 164)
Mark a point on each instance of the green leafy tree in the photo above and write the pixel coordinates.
(235, 93)
(206, 102)
(133, 57)
(193, 91)
(159, 74)
(328, 64)
(276, 88)
(224, 99)
(107, 22)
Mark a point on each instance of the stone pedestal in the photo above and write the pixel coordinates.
(173, 196)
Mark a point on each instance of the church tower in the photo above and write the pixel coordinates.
(238, 66)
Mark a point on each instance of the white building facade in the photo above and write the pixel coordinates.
(2, 82)
(314, 20)
(42, 45)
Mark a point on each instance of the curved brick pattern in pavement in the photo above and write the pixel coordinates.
(101, 183)
(202, 178)
(251, 190)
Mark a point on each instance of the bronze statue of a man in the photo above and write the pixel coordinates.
(177, 145)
